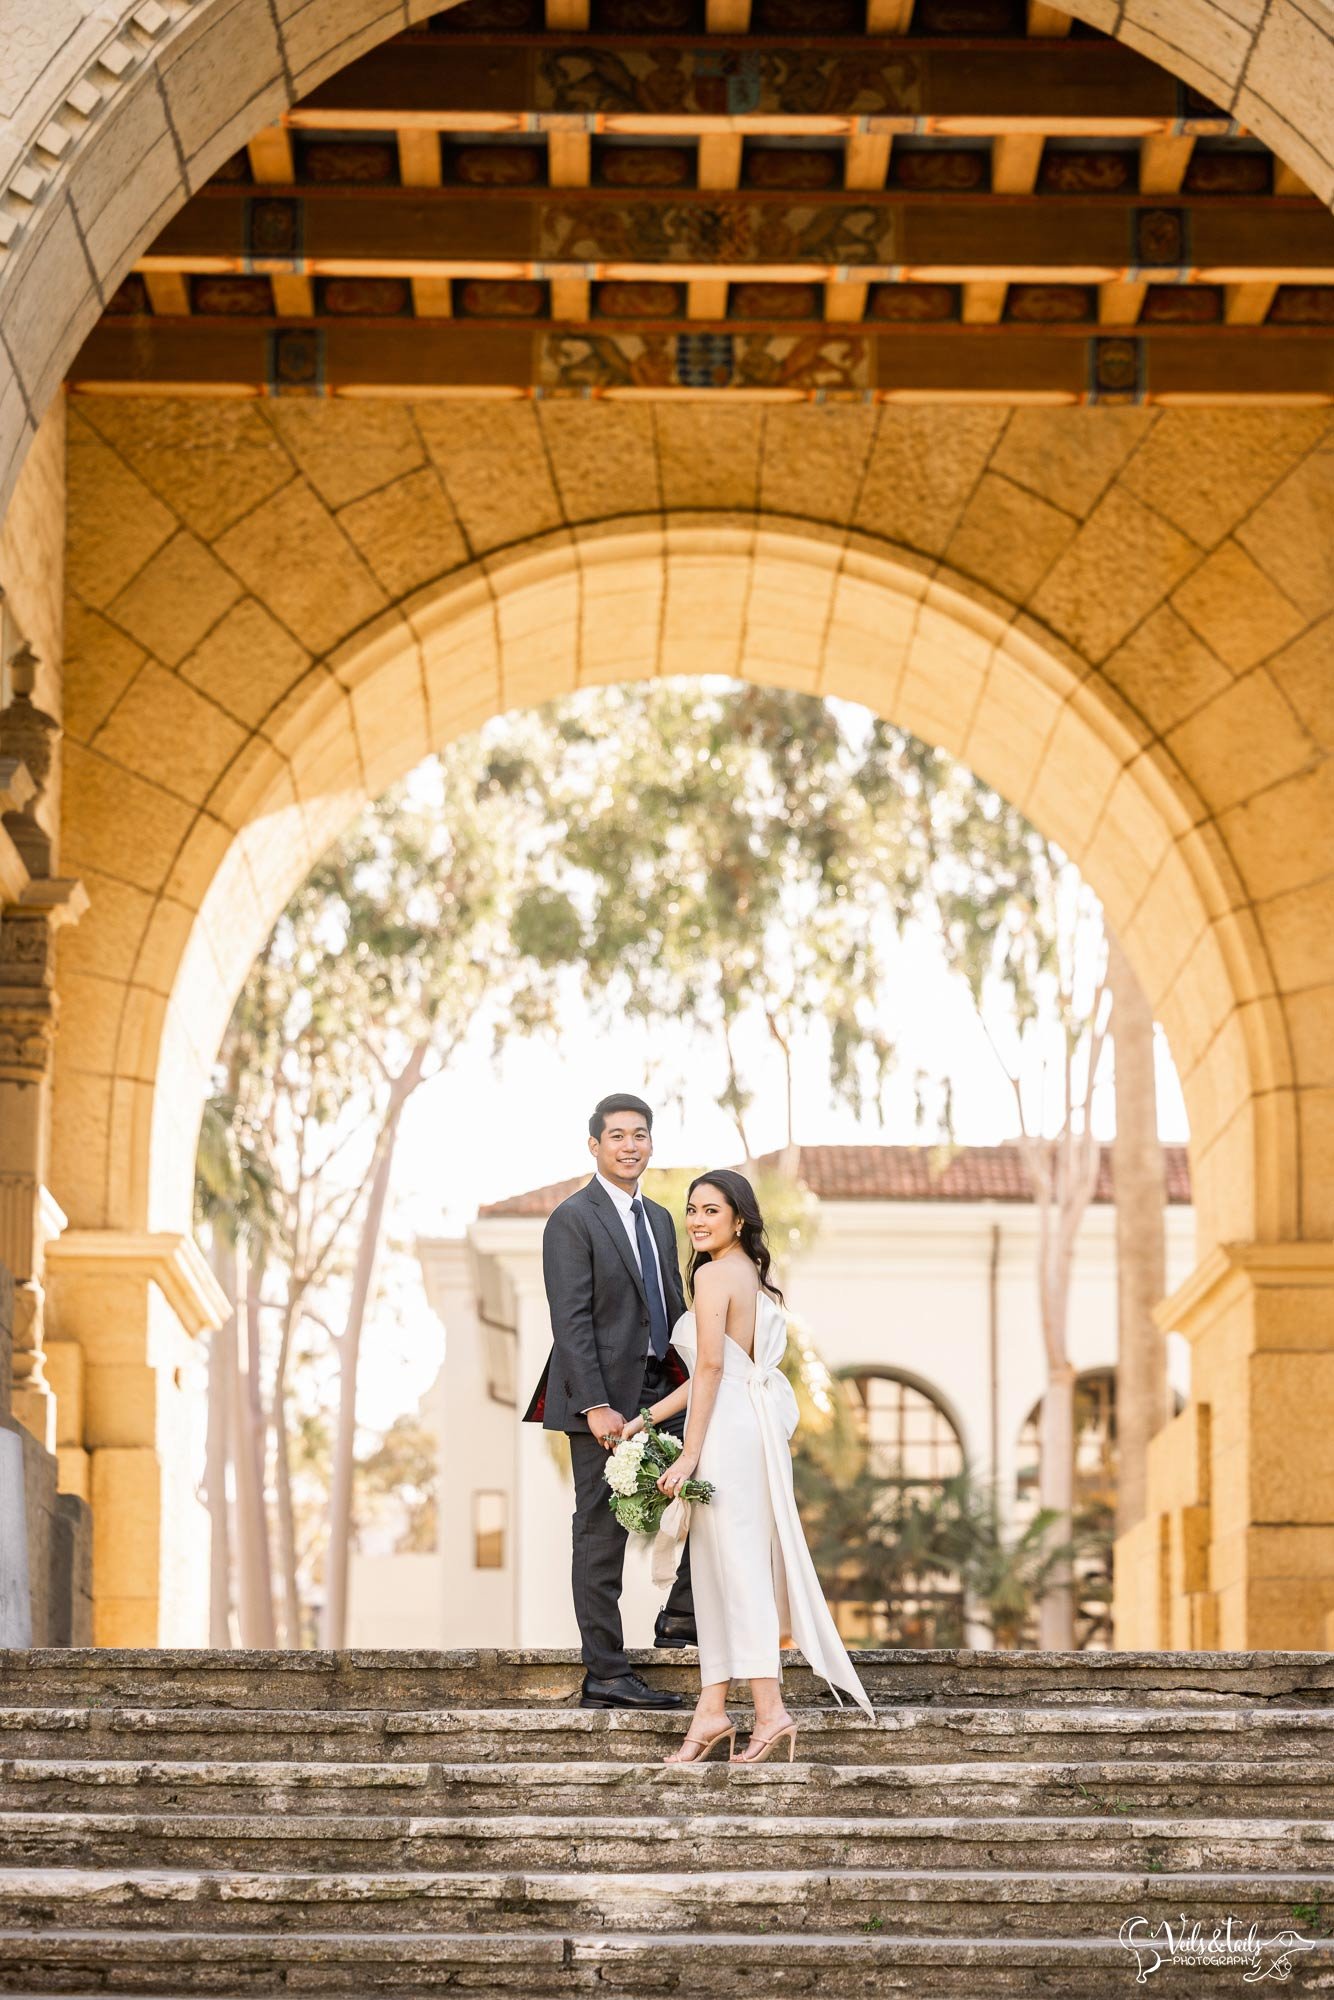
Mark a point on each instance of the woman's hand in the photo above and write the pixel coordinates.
(676, 1475)
(633, 1428)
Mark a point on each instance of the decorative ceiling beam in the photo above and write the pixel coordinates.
(418, 157)
(719, 160)
(1047, 23)
(888, 17)
(727, 17)
(270, 156)
(569, 159)
(433, 298)
(168, 294)
(1163, 160)
(524, 234)
(1288, 181)
(866, 160)
(844, 300)
(706, 298)
(1093, 88)
(1004, 364)
(293, 295)
(1015, 160)
(570, 298)
(1247, 305)
(1121, 302)
(984, 302)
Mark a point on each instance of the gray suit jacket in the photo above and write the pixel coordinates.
(599, 1308)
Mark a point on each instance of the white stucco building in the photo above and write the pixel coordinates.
(920, 1283)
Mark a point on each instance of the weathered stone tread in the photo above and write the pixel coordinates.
(907, 1901)
(737, 1964)
(717, 1840)
(180, 1678)
(392, 1826)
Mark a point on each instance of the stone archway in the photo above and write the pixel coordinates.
(277, 609)
(772, 601)
(117, 114)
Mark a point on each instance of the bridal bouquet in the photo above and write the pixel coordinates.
(633, 1470)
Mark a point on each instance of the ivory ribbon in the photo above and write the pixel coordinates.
(672, 1531)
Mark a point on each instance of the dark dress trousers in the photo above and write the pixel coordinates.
(600, 1354)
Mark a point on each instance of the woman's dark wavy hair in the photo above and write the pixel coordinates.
(739, 1195)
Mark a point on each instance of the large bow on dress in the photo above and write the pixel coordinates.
(802, 1610)
(806, 1615)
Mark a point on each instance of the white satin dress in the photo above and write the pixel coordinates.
(750, 1569)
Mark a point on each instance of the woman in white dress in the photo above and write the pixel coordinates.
(750, 1569)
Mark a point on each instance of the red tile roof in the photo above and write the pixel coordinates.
(895, 1173)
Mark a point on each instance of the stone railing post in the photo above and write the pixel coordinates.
(134, 1305)
(15, 1586)
(1236, 1548)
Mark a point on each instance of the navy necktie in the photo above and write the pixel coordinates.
(658, 1331)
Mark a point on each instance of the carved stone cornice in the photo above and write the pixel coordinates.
(174, 1263)
(27, 1034)
(61, 899)
(1232, 1272)
(27, 974)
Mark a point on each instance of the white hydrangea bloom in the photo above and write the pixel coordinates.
(621, 1471)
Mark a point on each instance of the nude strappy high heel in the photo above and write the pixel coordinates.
(705, 1747)
(761, 1754)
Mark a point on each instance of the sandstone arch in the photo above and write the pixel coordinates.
(773, 601)
(444, 563)
(1120, 618)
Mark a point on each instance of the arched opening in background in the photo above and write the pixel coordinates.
(914, 1446)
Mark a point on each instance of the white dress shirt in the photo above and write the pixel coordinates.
(621, 1201)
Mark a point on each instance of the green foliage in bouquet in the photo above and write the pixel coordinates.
(633, 1470)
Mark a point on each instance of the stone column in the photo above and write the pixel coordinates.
(15, 1586)
(35, 906)
(1236, 1549)
(135, 1303)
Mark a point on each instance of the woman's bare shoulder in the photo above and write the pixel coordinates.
(729, 1280)
(710, 1280)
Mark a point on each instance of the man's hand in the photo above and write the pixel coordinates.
(606, 1425)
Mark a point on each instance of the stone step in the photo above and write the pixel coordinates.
(394, 1680)
(1240, 1788)
(899, 1901)
(899, 1734)
(864, 1966)
(646, 1841)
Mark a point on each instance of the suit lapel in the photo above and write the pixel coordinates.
(604, 1208)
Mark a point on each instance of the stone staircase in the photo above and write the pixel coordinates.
(405, 1824)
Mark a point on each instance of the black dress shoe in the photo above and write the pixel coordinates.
(625, 1691)
(674, 1629)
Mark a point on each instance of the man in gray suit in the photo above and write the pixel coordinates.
(614, 1287)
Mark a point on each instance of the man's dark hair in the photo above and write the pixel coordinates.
(620, 1101)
